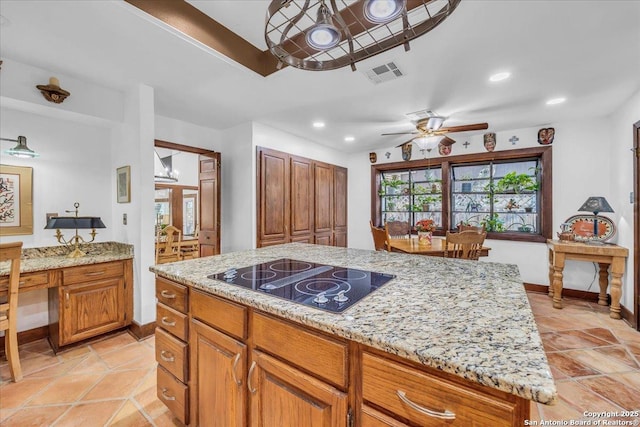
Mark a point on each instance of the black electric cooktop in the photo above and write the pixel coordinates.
(312, 284)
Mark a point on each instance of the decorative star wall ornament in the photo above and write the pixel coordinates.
(387, 154)
(466, 144)
(514, 139)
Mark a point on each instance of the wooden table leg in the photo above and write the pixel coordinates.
(617, 268)
(550, 273)
(604, 283)
(558, 266)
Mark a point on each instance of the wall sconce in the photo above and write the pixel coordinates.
(74, 222)
(21, 150)
(53, 92)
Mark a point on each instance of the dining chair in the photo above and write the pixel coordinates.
(380, 238)
(477, 229)
(464, 245)
(399, 229)
(9, 310)
(168, 245)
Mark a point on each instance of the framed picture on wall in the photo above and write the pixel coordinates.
(123, 184)
(16, 200)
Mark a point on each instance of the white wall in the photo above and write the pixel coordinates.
(588, 159)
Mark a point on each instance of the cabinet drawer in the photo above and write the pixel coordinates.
(373, 418)
(225, 315)
(173, 321)
(320, 355)
(91, 272)
(384, 380)
(174, 394)
(36, 280)
(172, 294)
(171, 354)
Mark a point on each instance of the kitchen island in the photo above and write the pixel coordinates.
(445, 341)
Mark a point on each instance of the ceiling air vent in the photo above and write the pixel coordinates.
(383, 73)
(419, 115)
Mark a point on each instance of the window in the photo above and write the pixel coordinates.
(507, 192)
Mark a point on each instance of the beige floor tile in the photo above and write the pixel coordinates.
(6, 413)
(66, 389)
(116, 385)
(616, 391)
(13, 395)
(582, 399)
(167, 420)
(89, 365)
(128, 356)
(31, 364)
(129, 416)
(632, 379)
(82, 351)
(598, 361)
(56, 370)
(560, 411)
(90, 414)
(113, 342)
(36, 417)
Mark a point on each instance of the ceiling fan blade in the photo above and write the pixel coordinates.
(400, 133)
(446, 141)
(405, 143)
(463, 128)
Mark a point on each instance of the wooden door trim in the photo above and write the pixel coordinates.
(179, 147)
(636, 224)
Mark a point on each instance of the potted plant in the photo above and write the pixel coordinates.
(391, 185)
(492, 223)
(425, 202)
(515, 183)
(425, 229)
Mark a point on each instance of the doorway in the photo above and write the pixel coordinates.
(191, 201)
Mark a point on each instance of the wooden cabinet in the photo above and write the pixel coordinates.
(172, 348)
(91, 300)
(284, 396)
(300, 200)
(244, 367)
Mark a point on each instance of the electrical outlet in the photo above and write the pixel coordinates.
(124, 219)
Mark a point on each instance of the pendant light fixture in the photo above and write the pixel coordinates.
(162, 173)
(324, 35)
(314, 35)
(21, 150)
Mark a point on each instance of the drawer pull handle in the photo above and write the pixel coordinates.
(22, 282)
(446, 415)
(251, 389)
(166, 322)
(164, 394)
(233, 369)
(169, 295)
(167, 356)
(94, 273)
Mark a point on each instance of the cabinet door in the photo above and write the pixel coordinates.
(273, 187)
(209, 194)
(339, 206)
(373, 418)
(301, 198)
(218, 371)
(282, 396)
(323, 186)
(92, 308)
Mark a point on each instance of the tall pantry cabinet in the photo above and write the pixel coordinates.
(300, 200)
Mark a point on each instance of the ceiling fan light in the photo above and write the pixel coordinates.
(383, 11)
(427, 142)
(324, 35)
(435, 123)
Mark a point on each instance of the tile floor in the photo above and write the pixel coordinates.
(594, 359)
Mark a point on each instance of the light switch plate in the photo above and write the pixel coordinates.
(631, 197)
(124, 219)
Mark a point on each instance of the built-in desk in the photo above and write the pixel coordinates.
(88, 296)
(605, 255)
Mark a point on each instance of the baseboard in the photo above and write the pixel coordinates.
(584, 295)
(28, 336)
(142, 331)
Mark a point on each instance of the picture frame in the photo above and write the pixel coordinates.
(123, 184)
(16, 200)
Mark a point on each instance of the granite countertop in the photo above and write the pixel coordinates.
(468, 318)
(50, 257)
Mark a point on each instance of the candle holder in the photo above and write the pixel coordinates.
(75, 222)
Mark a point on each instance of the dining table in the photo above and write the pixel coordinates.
(436, 248)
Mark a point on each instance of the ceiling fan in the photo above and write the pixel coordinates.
(432, 126)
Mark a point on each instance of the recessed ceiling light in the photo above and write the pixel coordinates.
(555, 101)
(499, 76)
(318, 125)
(349, 139)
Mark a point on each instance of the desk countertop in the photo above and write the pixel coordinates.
(468, 318)
(50, 257)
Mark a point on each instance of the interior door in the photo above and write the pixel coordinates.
(209, 194)
(636, 222)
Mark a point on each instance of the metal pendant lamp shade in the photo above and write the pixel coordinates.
(161, 172)
(320, 35)
(20, 150)
(323, 35)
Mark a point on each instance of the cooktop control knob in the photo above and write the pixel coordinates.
(321, 299)
(341, 297)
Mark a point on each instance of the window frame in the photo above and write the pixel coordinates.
(543, 154)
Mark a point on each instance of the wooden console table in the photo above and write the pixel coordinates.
(605, 255)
